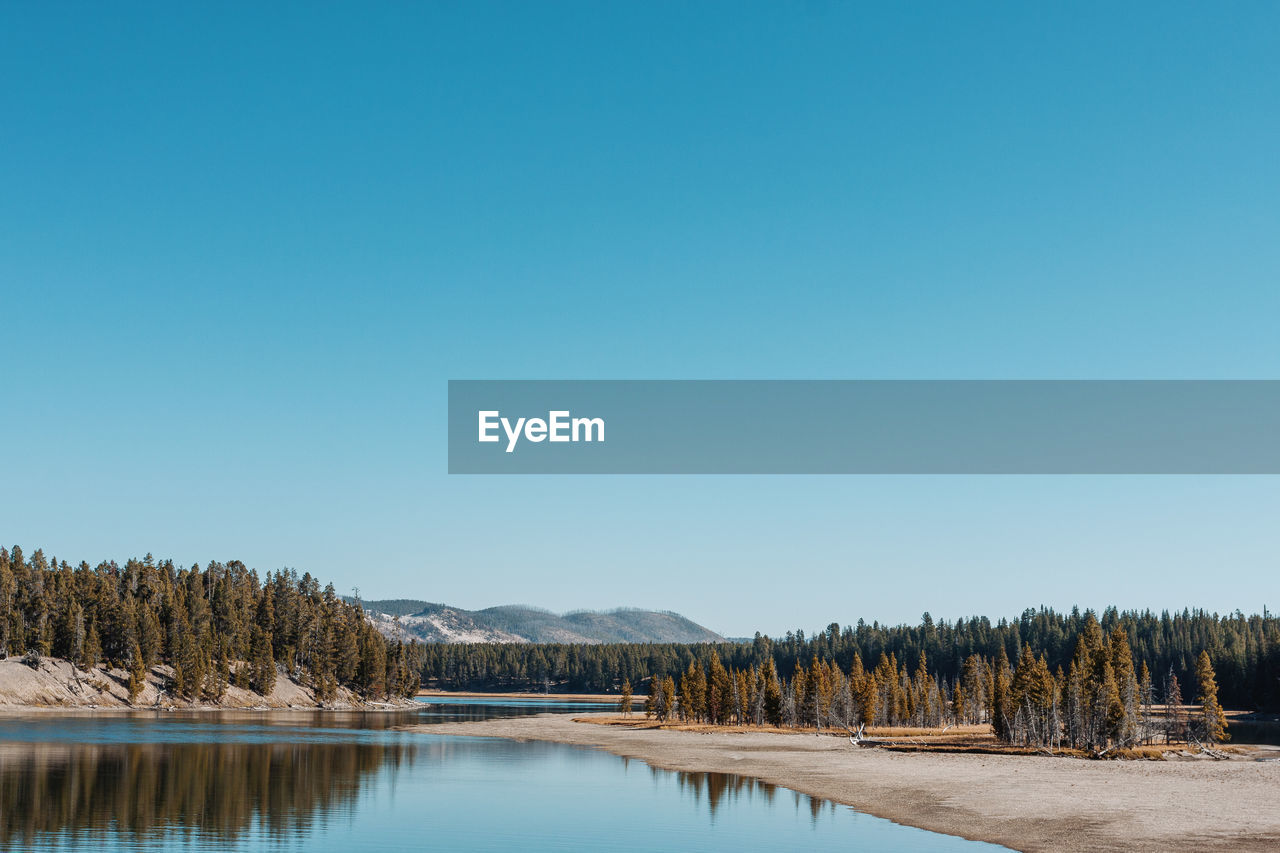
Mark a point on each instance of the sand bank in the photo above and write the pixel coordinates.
(1023, 802)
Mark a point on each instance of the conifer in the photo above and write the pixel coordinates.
(624, 700)
(959, 707)
(718, 692)
(1146, 700)
(742, 690)
(1175, 716)
(137, 672)
(799, 691)
(92, 653)
(693, 693)
(820, 692)
(1110, 707)
(1126, 682)
(772, 693)
(653, 704)
(262, 676)
(1213, 719)
(868, 700)
(1001, 710)
(668, 698)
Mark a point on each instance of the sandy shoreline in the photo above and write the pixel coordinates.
(1022, 802)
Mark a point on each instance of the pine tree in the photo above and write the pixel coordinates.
(1110, 708)
(151, 638)
(6, 601)
(262, 666)
(92, 653)
(219, 677)
(413, 677)
(718, 692)
(371, 674)
(1088, 697)
(867, 699)
(624, 701)
(799, 694)
(1017, 701)
(1175, 719)
(921, 689)
(1077, 706)
(1213, 720)
(973, 678)
(1001, 711)
(188, 674)
(70, 636)
(742, 692)
(693, 693)
(821, 691)
(241, 676)
(772, 693)
(1126, 683)
(959, 707)
(1146, 698)
(788, 709)
(668, 698)
(137, 672)
(653, 704)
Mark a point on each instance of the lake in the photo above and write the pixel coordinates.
(346, 781)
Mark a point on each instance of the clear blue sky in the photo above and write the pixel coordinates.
(243, 247)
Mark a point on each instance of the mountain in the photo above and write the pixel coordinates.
(428, 622)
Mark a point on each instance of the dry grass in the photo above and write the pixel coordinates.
(977, 739)
(639, 719)
(944, 731)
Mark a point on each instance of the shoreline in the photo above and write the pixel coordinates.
(58, 685)
(71, 710)
(1031, 803)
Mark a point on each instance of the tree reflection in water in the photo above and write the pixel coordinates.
(217, 791)
(721, 787)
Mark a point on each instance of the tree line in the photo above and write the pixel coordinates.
(215, 626)
(1245, 651)
(1099, 703)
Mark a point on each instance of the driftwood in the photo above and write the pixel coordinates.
(1207, 749)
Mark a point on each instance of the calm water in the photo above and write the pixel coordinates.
(336, 781)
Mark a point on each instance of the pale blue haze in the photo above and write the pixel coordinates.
(243, 247)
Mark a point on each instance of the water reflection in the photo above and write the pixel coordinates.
(452, 710)
(716, 787)
(349, 781)
(214, 790)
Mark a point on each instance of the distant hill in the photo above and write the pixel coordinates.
(429, 622)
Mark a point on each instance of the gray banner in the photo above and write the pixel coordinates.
(864, 427)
